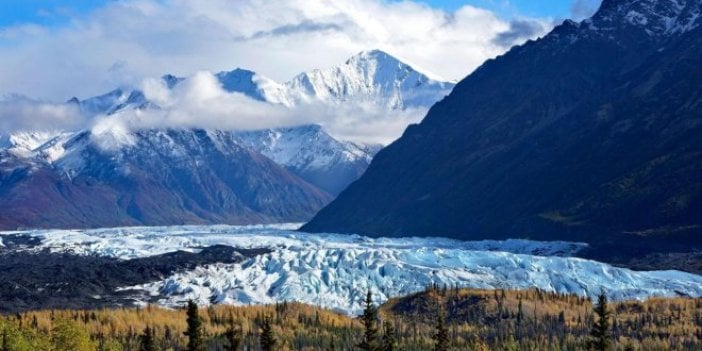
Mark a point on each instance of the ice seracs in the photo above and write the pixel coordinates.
(335, 271)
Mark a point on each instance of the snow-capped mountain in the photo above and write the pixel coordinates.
(90, 179)
(112, 102)
(39, 146)
(198, 169)
(373, 77)
(592, 133)
(370, 77)
(335, 271)
(655, 17)
(313, 154)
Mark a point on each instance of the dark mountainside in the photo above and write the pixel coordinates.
(166, 178)
(592, 133)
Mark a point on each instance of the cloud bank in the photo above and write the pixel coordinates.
(19, 113)
(201, 102)
(126, 41)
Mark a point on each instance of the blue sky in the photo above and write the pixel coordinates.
(46, 12)
(511, 8)
(52, 12)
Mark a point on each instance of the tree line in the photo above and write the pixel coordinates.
(439, 319)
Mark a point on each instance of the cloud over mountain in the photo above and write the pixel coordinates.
(125, 41)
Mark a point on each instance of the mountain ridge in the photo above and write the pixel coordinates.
(159, 176)
(554, 155)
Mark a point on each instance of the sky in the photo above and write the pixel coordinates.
(53, 50)
(96, 44)
(54, 12)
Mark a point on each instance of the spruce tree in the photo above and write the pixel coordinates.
(389, 337)
(369, 320)
(520, 312)
(68, 335)
(441, 338)
(194, 333)
(267, 339)
(601, 333)
(233, 336)
(147, 342)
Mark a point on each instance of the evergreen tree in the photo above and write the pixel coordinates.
(233, 336)
(369, 320)
(5, 347)
(267, 339)
(389, 337)
(441, 338)
(601, 333)
(147, 342)
(520, 312)
(69, 336)
(194, 332)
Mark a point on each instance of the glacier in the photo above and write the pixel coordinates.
(335, 271)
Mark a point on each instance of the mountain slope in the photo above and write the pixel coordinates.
(312, 154)
(592, 133)
(115, 176)
(153, 177)
(370, 77)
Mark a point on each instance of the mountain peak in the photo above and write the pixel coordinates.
(241, 80)
(373, 55)
(370, 76)
(656, 17)
(171, 80)
(236, 75)
(376, 60)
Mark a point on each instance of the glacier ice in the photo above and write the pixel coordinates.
(335, 271)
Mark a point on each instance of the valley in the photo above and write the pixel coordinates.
(546, 195)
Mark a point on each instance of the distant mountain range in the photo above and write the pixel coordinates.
(592, 133)
(175, 176)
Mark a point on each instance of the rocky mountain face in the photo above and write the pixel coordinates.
(313, 155)
(591, 133)
(177, 176)
(160, 177)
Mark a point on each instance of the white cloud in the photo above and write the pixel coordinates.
(125, 41)
(201, 102)
(22, 114)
